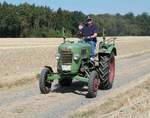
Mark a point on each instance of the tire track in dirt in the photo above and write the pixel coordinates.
(27, 101)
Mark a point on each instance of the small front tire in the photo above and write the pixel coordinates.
(93, 85)
(45, 86)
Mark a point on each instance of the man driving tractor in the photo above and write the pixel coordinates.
(75, 61)
(89, 33)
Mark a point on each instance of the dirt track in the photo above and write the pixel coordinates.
(129, 101)
(26, 101)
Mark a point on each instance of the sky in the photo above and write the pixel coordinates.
(93, 6)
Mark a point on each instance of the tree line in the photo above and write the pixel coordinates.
(27, 20)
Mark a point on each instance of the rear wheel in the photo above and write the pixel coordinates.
(107, 71)
(93, 85)
(65, 82)
(45, 86)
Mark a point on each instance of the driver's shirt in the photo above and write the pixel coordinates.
(89, 31)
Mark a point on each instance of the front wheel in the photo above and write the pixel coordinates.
(93, 85)
(45, 86)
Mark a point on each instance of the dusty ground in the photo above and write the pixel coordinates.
(22, 59)
(130, 101)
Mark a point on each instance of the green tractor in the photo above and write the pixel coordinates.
(73, 63)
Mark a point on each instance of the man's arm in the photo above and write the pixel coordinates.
(80, 30)
(94, 35)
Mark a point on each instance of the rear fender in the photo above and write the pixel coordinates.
(108, 52)
(114, 51)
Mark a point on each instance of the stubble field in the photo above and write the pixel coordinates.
(22, 59)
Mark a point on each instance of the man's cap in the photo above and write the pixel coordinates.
(88, 18)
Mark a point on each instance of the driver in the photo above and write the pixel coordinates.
(89, 34)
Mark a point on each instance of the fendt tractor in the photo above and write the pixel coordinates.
(73, 63)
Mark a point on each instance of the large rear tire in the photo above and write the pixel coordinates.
(45, 86)
(107, 71)
(93, 85)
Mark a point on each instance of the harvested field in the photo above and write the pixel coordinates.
(21, 60)
(26, 57)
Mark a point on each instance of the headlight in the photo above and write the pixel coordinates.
(58, 56)
(76, 57)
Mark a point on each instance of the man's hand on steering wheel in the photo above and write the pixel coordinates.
(88, 37)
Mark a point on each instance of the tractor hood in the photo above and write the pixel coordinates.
(74, 47)
(71, 55)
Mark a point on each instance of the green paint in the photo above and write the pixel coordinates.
(71, 48)
(83, 79)
(107, 46)
(75, 49)
(53, 77)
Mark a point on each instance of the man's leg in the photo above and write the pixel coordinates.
(92, 50)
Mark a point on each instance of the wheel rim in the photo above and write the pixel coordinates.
(111, 69)
(95, 84)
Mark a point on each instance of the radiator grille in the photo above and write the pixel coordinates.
(83, 53)
(66, 56)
